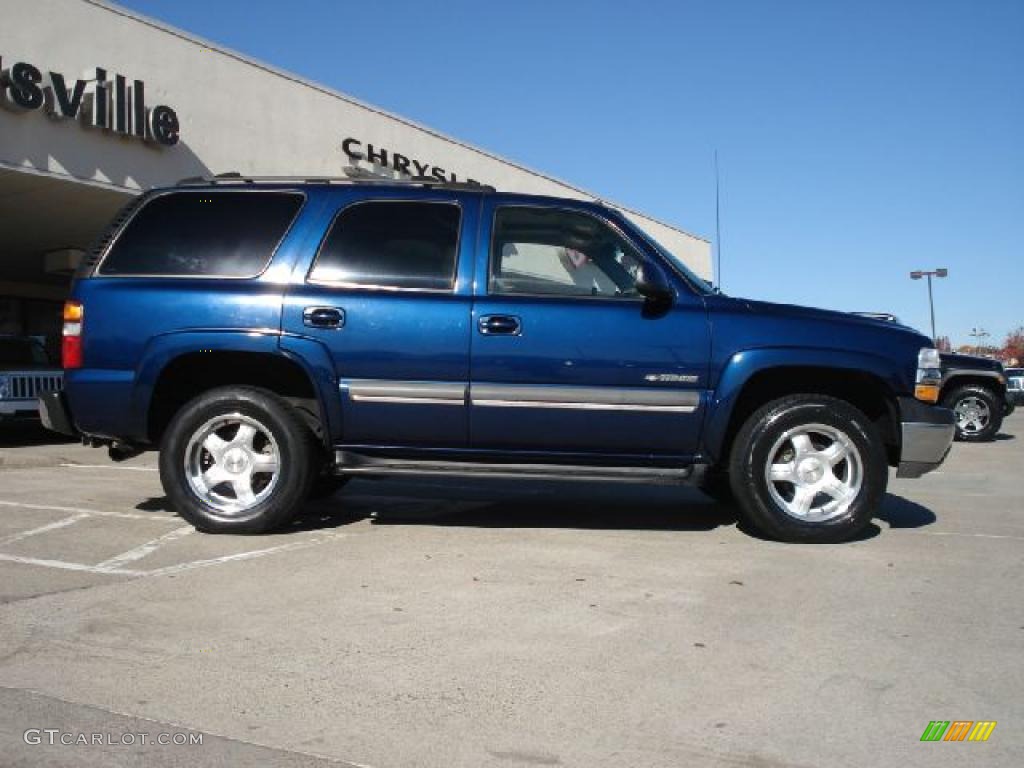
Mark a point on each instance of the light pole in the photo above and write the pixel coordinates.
(978, 334)
(917, 275)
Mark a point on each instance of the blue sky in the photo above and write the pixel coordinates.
(858, 140)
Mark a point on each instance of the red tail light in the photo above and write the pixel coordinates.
(71, 344)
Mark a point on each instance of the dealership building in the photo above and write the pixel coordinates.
(99, 103)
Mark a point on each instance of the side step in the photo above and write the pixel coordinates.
(358, 464)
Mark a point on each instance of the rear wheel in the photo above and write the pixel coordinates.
(979, 412)
(237, 460)
(808, 468)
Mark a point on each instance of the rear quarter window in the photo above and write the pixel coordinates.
(203, 234)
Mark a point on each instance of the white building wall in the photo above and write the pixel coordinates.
(235, 115)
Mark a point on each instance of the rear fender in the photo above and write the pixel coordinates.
(162, 350)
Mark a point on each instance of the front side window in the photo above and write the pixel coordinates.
(545, 251)
(203, 234)
(410, 245)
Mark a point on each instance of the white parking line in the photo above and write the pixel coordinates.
(63, 523)
(145, 549)
(110, 466)
(243, 555)
(82, 510)
(114, 565)
(65, 566)
(965, 535)
(170, 569)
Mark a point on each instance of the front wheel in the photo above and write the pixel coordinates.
(237, 460)
(979, 413)
(808, 468)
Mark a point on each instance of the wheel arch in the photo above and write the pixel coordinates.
(957, 380)
(182, 366)
(753, 378)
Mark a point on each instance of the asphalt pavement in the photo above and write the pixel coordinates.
(504, 624)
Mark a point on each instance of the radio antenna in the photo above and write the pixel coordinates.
(718, 230)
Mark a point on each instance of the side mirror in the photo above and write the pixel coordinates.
(653, 287)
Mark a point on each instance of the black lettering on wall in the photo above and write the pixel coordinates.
(163, 125)
(64, 103)
(380, 158)
(400, 163)
(121, 116)
(139, 109)
(99, 101)
(421, 168)
(24, 81)
(438, 173)
(116, 104)
(347, 147)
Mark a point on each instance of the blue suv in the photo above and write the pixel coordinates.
(276, 337)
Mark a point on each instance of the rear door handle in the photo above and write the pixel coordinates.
(323, 317)
(500, 325)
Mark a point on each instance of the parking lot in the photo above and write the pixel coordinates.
(445, 624)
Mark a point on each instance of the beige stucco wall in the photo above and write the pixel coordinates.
(236, 115)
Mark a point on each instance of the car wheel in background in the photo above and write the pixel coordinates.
(808, 468)
(237, 460)
(979, 412)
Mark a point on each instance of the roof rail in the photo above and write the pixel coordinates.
(353, 175)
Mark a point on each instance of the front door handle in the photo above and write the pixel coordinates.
(500, 325)
(323, 317)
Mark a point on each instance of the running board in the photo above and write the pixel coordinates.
(352, 464)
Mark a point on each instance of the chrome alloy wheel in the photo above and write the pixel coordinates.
(972, 415)
(814, 472)
(232, 463)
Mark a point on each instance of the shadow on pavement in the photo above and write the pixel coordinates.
(21, 434)
(900, 512)
(1004, 436)
(505, 504)
(537, 504)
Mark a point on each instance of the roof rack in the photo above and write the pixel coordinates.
(353, 175)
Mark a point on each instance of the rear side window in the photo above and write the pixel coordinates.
(203, 234)
(392, 245)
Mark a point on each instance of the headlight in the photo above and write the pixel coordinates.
(5, 387)
(929, 358)
(929, 375)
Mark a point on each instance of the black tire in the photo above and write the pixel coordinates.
(965, 431)
(298, 460)
(749, 459)
(716, 486)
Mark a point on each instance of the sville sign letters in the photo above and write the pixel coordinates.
(112, 104)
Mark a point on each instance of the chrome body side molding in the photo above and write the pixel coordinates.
(522, 396)
(409, 392)
(584, 398)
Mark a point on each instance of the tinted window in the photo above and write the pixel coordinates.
(392, 244)
(562, 253)
(223, 234)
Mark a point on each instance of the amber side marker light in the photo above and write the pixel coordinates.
(71, 341)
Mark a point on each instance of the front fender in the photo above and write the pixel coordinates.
(742, 366)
